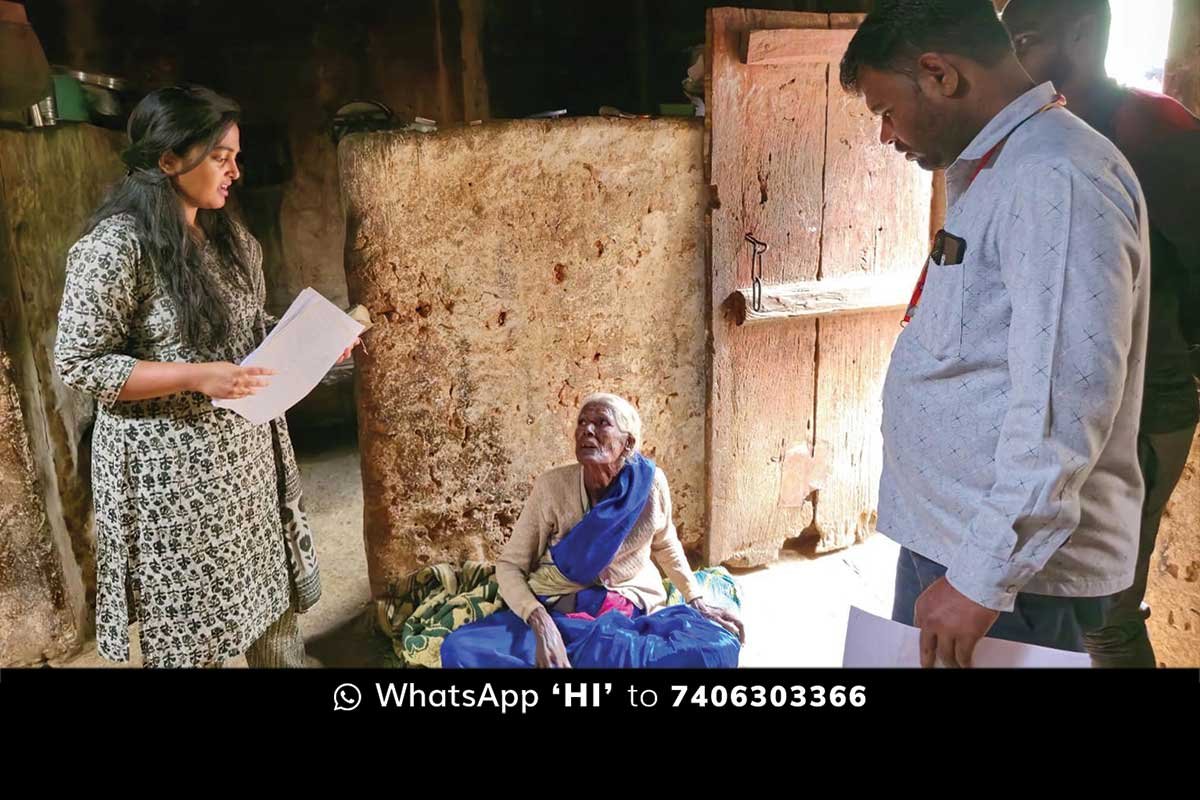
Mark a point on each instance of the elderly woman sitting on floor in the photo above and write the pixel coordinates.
(577, 573)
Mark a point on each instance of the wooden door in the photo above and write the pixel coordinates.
(798, 359)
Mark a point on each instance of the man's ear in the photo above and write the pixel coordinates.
(936, 76)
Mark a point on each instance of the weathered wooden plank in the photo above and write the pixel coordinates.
(843, 21)
(850, 294)
(876, 225)
(1182, 79)
(766, 155)
(476, 104)
(795, 47)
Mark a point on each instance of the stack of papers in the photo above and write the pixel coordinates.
(305, 344)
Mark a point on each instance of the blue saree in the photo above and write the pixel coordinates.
(677, 637)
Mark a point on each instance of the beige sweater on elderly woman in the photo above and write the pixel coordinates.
(556, 503)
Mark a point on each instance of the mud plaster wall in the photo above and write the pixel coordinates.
(50, 180)
(1174, 588)
(37, 619)
(512, 268)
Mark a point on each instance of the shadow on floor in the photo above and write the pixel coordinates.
(356, 643)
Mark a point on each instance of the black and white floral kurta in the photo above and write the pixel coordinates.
(188, 534)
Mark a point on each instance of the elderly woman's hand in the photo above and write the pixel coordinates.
(726, 619)
(551, 651)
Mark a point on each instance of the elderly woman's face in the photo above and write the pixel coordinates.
(598, 440)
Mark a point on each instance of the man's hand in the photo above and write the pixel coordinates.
(951, 625)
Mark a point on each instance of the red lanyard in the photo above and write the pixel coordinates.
(1058, 100)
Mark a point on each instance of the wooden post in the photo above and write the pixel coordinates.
(1182, 79)
(476, 103)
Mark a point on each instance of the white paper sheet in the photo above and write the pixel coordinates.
(872, 642)
(301, 349)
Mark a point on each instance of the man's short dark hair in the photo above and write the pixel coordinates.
(1062, 10)
(897, 32)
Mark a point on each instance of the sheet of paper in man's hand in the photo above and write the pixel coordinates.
(301, 349)
(874, 642)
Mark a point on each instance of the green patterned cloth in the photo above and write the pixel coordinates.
(428, 605)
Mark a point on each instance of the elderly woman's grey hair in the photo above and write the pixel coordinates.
(624, 414)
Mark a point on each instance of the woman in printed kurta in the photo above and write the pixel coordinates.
(164, 295)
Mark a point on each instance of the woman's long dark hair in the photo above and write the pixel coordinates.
(176, 120)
